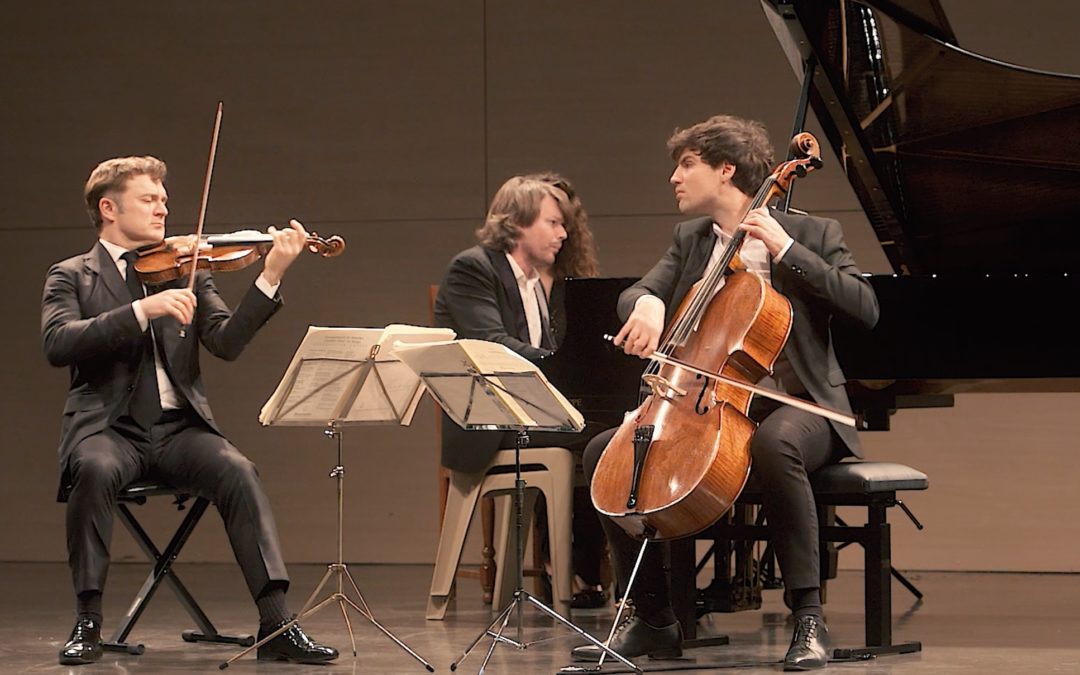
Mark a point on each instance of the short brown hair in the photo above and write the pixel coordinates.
(726, 138)
(577, 257)
(112, 174)
(517, 205)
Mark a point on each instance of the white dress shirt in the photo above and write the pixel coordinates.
(532, 298)
(170, 398)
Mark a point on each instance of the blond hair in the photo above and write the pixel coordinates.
(577, 257)
(517, 205)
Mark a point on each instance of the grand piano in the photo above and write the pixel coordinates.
(967, 170)
(968, 173)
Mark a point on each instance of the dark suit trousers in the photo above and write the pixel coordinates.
(788, 445)
(183, 452)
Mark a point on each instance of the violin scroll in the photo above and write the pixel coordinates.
(326, 247)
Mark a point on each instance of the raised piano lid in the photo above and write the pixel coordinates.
(963, 164)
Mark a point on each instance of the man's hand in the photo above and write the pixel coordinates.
(640, 335)
(760, 225)
(178, 303)
(288, 243)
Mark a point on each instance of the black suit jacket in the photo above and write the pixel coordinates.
(479, 299)
(88, 325)
(817, 274)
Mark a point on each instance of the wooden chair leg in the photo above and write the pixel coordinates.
(487, 562)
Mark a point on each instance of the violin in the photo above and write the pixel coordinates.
(680, 460)
(176, 257)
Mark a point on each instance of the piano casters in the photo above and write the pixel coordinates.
(340, 571)
(496, 629)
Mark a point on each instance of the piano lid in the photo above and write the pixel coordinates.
(963, 164)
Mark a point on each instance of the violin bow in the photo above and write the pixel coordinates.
(202, 205)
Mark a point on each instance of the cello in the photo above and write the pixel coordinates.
(680, 460)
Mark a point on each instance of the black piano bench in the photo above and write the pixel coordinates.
(855, 483)
(162, 561)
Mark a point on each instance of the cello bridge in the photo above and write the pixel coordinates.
(662, 387)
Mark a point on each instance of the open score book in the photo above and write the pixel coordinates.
(484, 385)
(350, 376)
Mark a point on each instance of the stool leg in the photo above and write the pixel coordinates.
(460, 504)
(163, 572)
(878, 594)
(560, 508)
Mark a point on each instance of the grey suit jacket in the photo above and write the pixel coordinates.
(88, 325)
(479, 299)
(817, 274)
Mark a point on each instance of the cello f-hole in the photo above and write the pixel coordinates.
(699, 407)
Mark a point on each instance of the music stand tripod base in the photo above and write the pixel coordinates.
(340, 571)
(521, 596)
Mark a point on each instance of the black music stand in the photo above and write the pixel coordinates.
(342, 377)
(484, 386)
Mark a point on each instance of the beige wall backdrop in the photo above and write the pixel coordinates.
(391, 124)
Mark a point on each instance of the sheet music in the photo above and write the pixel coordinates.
(482, 383)
(332, 377)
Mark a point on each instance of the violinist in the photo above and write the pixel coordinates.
(719, 165)
(136, 406)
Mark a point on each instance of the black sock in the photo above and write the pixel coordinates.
(806, 602)
(88, 606)
(273, 610)
(665, 616)
(653, 608)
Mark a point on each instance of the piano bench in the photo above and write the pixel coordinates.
(136, 494)
(873, 485)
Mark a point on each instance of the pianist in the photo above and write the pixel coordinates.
(719, 164)
(536, 233)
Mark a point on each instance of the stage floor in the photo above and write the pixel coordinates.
(968, 623)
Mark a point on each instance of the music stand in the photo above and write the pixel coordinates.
(343, 377)
(485, 386)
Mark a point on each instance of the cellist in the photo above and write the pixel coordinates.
(719, 165)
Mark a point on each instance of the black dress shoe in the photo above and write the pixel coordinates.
(634, 638)
(589, 598)
(84, 645)
(809, 648)
(293, 646)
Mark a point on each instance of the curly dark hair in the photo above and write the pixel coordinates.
(726, 138)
